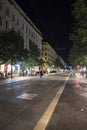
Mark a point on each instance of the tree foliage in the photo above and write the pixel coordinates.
(75, 55)
(58, 63)
(34, 55)
(12, 47)
(34, 50)
(79, 35)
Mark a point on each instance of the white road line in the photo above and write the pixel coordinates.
(42, 123)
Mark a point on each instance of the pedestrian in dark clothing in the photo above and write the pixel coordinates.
(41, 73)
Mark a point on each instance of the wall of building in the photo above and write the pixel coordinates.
(48, 55)
(13, 17)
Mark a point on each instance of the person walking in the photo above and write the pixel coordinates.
(41, 73)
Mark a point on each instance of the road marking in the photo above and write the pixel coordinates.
(42, 123)
(29, 96)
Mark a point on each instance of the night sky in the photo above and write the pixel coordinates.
(54, 20)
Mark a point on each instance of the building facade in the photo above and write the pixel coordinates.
(13, 17)
(48, 55)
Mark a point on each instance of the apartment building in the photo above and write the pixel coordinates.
(48, 55)
(13, 17)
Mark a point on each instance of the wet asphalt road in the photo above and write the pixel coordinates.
(23, 103)
(71, 111)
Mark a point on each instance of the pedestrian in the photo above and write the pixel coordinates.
(41, 73)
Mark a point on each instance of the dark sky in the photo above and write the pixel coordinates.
(53, 18)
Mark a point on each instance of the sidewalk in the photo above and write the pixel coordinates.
(15, 79)
(18, 78)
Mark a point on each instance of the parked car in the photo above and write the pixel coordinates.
(53, 71)
(33, 73)
(37, 73)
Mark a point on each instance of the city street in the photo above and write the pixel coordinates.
(53, 102)
(43, 65)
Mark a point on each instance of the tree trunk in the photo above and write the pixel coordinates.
(11, 70)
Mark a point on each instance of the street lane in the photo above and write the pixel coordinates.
(43, 122)
(71, 111)
(38, 93)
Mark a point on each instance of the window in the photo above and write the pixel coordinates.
(23, 26)
(7, 24)
(34, 35)
(45, 54)
(13, 18)
(45, 49)
(0, 20)
(45, 58)
(7, 11)
(0, 6)
(26, 29)
(17, 21)
(29, 31)
(31, 34)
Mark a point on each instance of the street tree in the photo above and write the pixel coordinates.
(12, 47)
(75, 55)
(58, 64)
(79, 35)
(34, 55)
